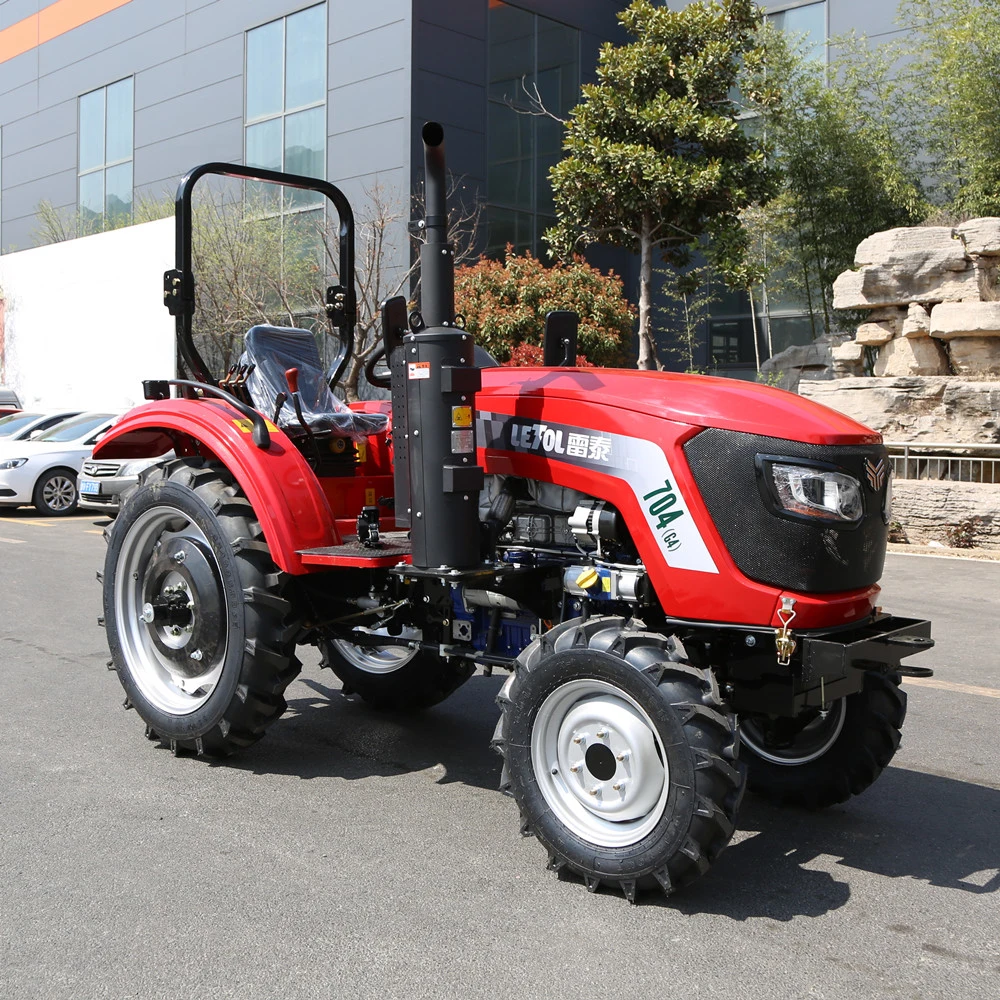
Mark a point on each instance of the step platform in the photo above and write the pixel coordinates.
(395, 549)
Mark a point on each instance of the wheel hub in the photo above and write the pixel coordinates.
(610, 755)
(182, 606)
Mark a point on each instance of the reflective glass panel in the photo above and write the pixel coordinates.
(509, 174)
(512, 52)
(305, 61)
(503, 227)
(264, 145)
(558, 66)
(118, 193)
(265, 65)
(806, 24)
(305, 138)
(92, 198)
(92, 130)
(119, 144)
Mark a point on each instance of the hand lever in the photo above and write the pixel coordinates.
(292, 377)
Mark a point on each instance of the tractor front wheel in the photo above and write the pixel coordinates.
(823, 758)
(620, 756)
(198, 629)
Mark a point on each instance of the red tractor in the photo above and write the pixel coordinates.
(679, 572)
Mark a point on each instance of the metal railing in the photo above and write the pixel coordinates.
(945, 460)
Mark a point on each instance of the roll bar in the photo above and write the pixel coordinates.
(179, 283)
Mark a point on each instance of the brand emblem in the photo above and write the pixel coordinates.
(875, 473)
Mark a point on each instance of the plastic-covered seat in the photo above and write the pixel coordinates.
(275, 349)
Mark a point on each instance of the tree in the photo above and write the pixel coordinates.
(655, 156)
(845, 142)
(953, 76)
(505, 304)
(689, 296)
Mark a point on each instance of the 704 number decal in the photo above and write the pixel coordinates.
(659, 504)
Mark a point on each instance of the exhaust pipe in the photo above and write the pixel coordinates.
(437, 266)
(441, 386)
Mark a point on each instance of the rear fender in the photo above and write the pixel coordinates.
(287, 498)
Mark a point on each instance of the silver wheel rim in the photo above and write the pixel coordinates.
(378, 659)
(599, 763)
(812, 741)
(59, 492)
(167, 662)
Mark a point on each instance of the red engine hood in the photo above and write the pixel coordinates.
(698, 400)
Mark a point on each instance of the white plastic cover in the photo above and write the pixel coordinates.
(275, 349)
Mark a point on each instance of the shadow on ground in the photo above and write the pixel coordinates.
(785, 864)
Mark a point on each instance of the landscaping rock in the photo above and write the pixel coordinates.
(965, 319)
(911, 356)
(981, 236)
(917, 322)
(975, 355)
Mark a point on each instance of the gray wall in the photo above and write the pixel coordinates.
(187, 60)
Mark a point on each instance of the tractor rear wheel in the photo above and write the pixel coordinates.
(394, 678)
(198, 629)
(620, 756)
(821, 759)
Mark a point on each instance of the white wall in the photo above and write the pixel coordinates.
(85, 321)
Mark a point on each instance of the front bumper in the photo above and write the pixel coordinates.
(105, 493)
(826, 665)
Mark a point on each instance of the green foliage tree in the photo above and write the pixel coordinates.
(655, 156)
(953, 78)
(844, 140)
(505, 302)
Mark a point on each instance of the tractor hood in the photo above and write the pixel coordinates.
(695, 400)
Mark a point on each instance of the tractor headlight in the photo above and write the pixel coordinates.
(811, 492)
(12, 463)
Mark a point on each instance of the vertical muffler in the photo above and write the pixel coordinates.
(441, 385)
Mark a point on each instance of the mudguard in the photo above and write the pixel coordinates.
(286, 495)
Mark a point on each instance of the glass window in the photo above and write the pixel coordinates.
(286, 101)
(71, 430)
(105, 156)
(265, 65)
(305, 58)
(808, 24)
(526, 52)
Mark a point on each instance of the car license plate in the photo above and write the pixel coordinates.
(89, 486)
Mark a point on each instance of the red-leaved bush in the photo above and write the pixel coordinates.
(505, 302)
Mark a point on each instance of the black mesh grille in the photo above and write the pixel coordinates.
(817, 558)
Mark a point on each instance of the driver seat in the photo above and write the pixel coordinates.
(273, 350)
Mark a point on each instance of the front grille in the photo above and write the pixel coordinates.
(795, 555)
(101, 470)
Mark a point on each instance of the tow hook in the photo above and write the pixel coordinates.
(784, 641)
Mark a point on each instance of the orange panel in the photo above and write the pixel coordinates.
(53, 21)
(65, 15)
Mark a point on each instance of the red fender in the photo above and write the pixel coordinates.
(286, 495)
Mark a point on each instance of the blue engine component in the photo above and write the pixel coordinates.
(471, 624)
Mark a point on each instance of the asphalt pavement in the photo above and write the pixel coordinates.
(359, 854)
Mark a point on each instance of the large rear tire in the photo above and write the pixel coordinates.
(394, 678)
(620, 756)
(199, 633)
(825, 759)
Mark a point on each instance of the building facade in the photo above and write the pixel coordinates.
(104, 104)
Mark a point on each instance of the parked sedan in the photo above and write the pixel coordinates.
(103, 483)
(43, 472)
(26, 425)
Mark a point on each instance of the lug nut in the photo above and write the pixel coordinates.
(147, 614)
(602, 733)
(619, 786)
(197, 654)
(576, 768)
(579, 737)
(624, 755)
(180, 556)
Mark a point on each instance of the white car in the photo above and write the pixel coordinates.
(27, 425)
(102, 483)
(44, 472)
